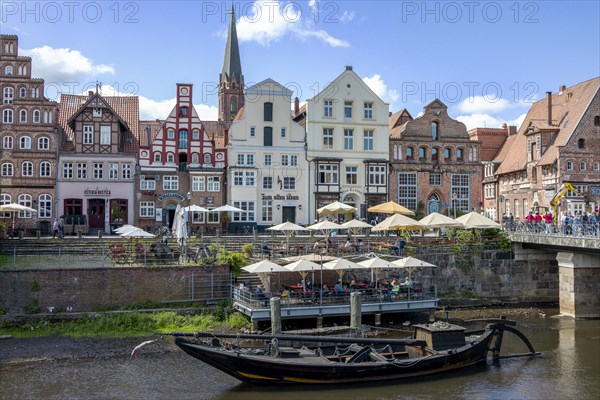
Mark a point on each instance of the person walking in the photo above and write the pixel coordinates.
(55, 228)
(548, 222)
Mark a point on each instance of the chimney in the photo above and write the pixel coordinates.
(562, 88)
(296, 106)
(549, 101)
(90, 93)
(512, 130)
(348, 67)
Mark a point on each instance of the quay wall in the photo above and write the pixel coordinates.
(88, 289)
(520, 276)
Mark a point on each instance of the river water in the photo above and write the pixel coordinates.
(568, 369)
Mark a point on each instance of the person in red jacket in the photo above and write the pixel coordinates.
(537, 217)
(548, 222)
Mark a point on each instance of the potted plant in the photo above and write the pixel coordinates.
(225, 219)
(3, 231)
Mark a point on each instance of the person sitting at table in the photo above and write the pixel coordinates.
(394, 283)
(399, 246)
(260, 295)
(317, 246)
(309, 285)
(408, 282)
(265, 248)
(353, 285)
(360, 246)
(325, 290)
(348, 244)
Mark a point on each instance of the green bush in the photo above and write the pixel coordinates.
(32, 308)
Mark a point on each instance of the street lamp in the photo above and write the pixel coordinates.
(454, 197)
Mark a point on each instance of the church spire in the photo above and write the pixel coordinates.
(232, 67)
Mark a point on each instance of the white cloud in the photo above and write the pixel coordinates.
(381, 89)
(347, 16)
(64, 65)
(481, 105)
(269, 21)
(482, 120)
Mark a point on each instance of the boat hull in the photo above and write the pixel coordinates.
(265, 369)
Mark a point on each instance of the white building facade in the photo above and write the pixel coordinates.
(348, 145)
(267, 173)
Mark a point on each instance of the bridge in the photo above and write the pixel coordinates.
(578, 258)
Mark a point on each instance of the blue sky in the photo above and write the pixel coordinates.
(486, 60)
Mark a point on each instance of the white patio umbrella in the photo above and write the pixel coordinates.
(341, 265)
(195, 208)
(336, 208)
(411, 263)
(264, 269)
(398, 222)
(354, 226)
(325, 226)
(227, 208)
(180, 229)
(475, 220)
(124, 228)
(137, 233)
(376, 265)
(15, 208)
(303, 267)
(288, 229)
(437, 220)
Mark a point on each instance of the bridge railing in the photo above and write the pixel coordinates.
(573, 230)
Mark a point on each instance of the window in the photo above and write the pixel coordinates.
(267, 182)
(459, 154)
(88, 134)
(459, 189)
(290, 160)
(283, 133)
(247, 215)
(97, 113)
(47, 117)
(328, 108)
(45, 169)
(207, 159)
(23, 116)
(27, 168)
(268, 159)
(183, 139)
(409, 153)
(368, 110)
(289, 183)
(252, 131)
(170, 134)
(434, 131)
(328, 174)
(196, 134)
(245, 159)
(22, 92)
(35, 92)
(244, 178)
(581, 143)
(596, 166)
(25, 200)
(67, 170)
(43, 143)
(328, 138)
(126, 171)
(8, 70)
(171, 158)
(597, 120)
(146, 209)
(377, 175)
(113, 171)
(105, 134)
(266, 213)
(183, 111)
(525, 207)
(348, 139)
(351, 175)
(44, 206)
(7, 169)
(5, 199)
(170, 182)
(198, 184)
(36, 116)
(7, 142)
(582, 166)
(214, 184)
(435, 179)
(81, 170)
(434, 154)
(569, 165)
(368, 139)
(98, 170)
(422, 153)
(7, 116)
(157, 157)
(213, 217)
(517, 207)
(267, 136)
(407, 189)
(25, 143)
(348, 110)
(490, 192)
(268, 112)
(9, 94)
(147, 184)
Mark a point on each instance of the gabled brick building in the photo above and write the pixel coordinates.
(28, 141)
(558, 142)
(435, 164)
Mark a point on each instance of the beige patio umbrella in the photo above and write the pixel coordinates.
(310, 257)
(288, 229)
(398, 222)
(437, 220)
(354, 226)
(475, 220)
(390, 208)
(411, 263)
(264, 269)
(15, 208)
(303, 267)
(335, 208)
(376, 265)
